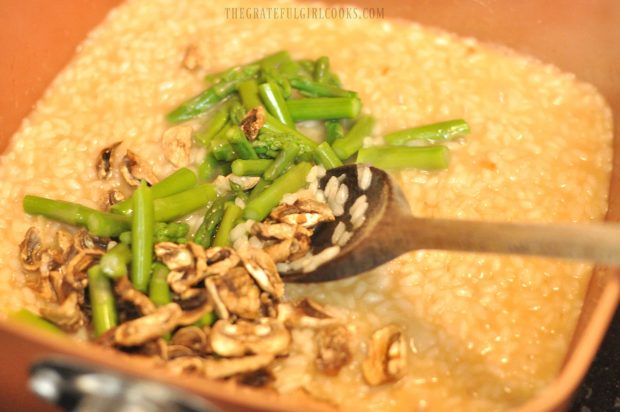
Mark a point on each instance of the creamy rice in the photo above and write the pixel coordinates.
(485, 332)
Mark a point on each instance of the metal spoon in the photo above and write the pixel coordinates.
(390, 230)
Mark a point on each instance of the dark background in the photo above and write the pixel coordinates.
(600, 390)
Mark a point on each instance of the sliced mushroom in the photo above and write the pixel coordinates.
(67, 315)
(267, 336)
(387, 356)
(289, 249)
(134, 169)
(234, 293)
(182, 279)
(30, 250)
(75, 270)
(157, 324)
(306, 314)
(253, 122)
(306, 212)
(268, 307)
(178, 351)
(176, 143)
(333, 350)
(263, 269)
(191, 59)
(220, 260)
(177, 257)
(104, 161)
(191, 337)
(225, 368)
(127, 292)
(110, 198)
(277, 231)
(185, 365)
(57, 281)
(64, 241)
(195, 304)
(85, 242)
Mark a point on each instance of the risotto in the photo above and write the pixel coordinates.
(482, 332)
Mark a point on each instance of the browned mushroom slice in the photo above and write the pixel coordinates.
(75, 270)
(157, 324)
(306, 314)
(110, 198)
(30, 250)
(103, 165)
(289, 249)
(127, 292)
(176, 143)
(186, 365)
(84, 242)
(277, 231)
(182, 279)
(387, 356)
(267, 336)
(195, 303)
(60, 287)
(263, 269)
(253, 122)
(305, 212)
(191, 337)
(178, 351)
(64, 241)
(67, 315)
(333, 350)
(234, 293)
(220, 260)
(176, 257)
(191, 59)
(134, 169)
(225, 368)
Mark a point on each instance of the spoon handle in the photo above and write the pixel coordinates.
(596, 242)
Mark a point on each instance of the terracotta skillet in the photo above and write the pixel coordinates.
(47, 33)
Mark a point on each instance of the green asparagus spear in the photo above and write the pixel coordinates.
(181, 204)
(142, 236)
(179, 181)
(204, 101)
(353, 140)
(325, 156)
(114, 262)
(24, 316)
(258, 208)
(433, 133)
(274, 102)
(398, 157)
(96, 222)
(215, 124)
(250, 167)
(322, 108)
(320, 90)
(213, 217)
(101, 300)
(333, 131)
(240, 144)
(285, 159)
(159, 290)
(232, 213)
(248, 91)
